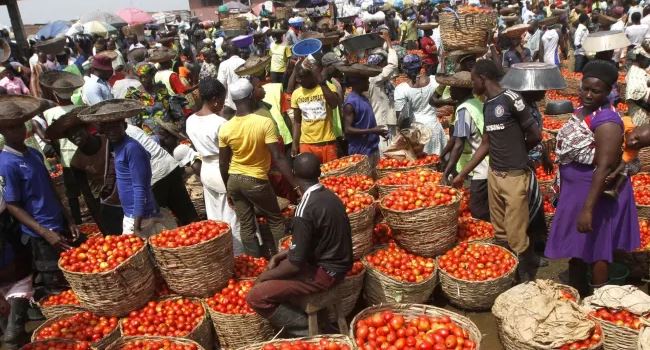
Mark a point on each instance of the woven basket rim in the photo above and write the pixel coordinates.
(505, 275)
(364, 157)
(49, 321)
(173, 297)
(368, 268)
(413, 167)
(313, 339)
(199, 244)
(111, 271)
(132, 338)
(610, 324)
(56, 340)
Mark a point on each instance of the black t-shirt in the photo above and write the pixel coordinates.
(321, 232)
(506, 118)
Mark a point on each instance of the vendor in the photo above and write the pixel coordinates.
(318, 259)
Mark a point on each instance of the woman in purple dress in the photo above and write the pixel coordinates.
(588, 227)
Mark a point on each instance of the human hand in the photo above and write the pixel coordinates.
(55, 240)
(231, 203)
(458, 181)
(74, 231)
(444, 180)
(294, 150)
(585, 221)
(381, 131)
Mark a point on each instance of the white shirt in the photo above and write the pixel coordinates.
(203, 131)
(550, 39)
(120, 86)
(226, 75)
(136, 46)
(645, 20)
(579, 38)
(636, 33)
(527, 15)
(435, 36)
(634, 9)
(162, 163)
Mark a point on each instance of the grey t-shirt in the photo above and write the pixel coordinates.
(466, 128)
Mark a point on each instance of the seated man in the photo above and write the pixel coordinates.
(319, 257)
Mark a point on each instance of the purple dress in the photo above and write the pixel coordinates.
(615, 222)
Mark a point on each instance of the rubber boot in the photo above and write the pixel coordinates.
(15, 335)
(529, 263)
(578, 276)
(293, 321)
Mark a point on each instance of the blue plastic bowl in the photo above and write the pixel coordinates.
(242, 41)
(306, 47)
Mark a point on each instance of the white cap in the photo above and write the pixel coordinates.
(240, 89)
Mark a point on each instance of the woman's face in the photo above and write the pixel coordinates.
(594, 92)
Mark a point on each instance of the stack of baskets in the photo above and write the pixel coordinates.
(338, 338)
(362, 224)
(361, 167)
(282, 12)
(124, 341)
(100, 344)
(234, 23)
(644, 157)
(386, 171)
(235, 331)
(349, 289)
(460, 31)
(54, 344)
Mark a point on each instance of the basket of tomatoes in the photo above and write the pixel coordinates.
(248, 267)
(469, 26)
(546, 180)
(549, 211)
(473, 230)
(234, 322)
(394, 275)
(196, 259)
(284, 243)
(350, 289)
(99, 331)
(425, 218)
(154, 343)
(553, 123)
(386, 165)
(170, 317)
(89, 229)
(472, 275)
(65, 302)
(110, 275)
(351, 183)
(360, 208)
(59, 344)
(423, 324)
(350, 165)
(642, 201)
(396, 180)
(620, 327)
(319, 342)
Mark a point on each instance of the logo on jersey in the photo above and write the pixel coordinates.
(498, 111)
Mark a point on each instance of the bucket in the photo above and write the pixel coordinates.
(306, 47)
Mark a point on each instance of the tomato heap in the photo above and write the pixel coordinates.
(474, 9)
(549, 209)
(547, 136)
(165, 318)
(67, 297)
(413, 177)
(355, 202)
(567, 74)
(357, 268)
(401, 265)
(621, 318)
(622, 107)
(464, 204)
(642, 195)
(470, 229)
(541, 174)
(410, 198)
(84, 326)
(247, 266)
(232, 299)
(556, 95)
(382, 233)
(477, 262)
(644, 227)
(550, 123)
(323, 344)
(286, 244)
(641, 180)
(166, 344)
(567, 295)
(90, 229)
(388, 163)
(593, 340)
(341, 163)
(57, 345)
(348, 184)
(99, 254)
(191, 234)
(387, 330)
(58, 171)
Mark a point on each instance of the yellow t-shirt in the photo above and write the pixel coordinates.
(247, 137)
(280, 54)
(317, 121)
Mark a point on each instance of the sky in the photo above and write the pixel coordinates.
(44, 11)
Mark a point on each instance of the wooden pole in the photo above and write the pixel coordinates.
(18, 28)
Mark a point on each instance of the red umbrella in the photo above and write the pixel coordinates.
(134, 16)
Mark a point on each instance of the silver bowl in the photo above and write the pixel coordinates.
(533, 76)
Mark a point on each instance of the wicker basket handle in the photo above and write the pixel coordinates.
(457, 25)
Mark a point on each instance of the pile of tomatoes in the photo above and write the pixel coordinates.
(388, 330)
(382, 233)
(549, 209)
(474, 10)
(165, 344)
(84, 326)
(388, 163)
(67, 297)
(57, 345)
(641, 180)
(567, 295)
(341, 163)
(323, 344)
(567, 74)
(90, 229)
(165, 318)
(286, 244)
(556, 95)
(357, 268)
(551, 123)
(58, 171)
(644, 228)
(589, 343)
(355, 202)
(247, 266)
(99, 254)
(464, 204)
(191, 234)
(470, 229)
(413, 177)
(349, 183)
(541, 174)
(621, 318)
(232, 299)
(401, 265)
(411, 198)
(642, 195)
(622, 107)
(477, 262)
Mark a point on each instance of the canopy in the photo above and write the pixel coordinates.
(134, 16)
(236, 6)
(53, 29)
(98, 28)
(164, 17)
(102, 16)
(76, 28)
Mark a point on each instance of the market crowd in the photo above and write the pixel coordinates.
(139, 133)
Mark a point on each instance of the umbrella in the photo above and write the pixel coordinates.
(53, 29)
(98, 28)
(77, 28)
(135, 16)
(102, 16)
(236, 6)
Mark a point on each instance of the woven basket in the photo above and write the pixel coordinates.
(361, 167)
(549, 219)
(476, 295)
(58, 310)
(116, 292)
(460, 31)
(643, 211)
(237, 23)
(644, 157)
(53, 342)
(426, 231)
(386, 189)
(100, 345)
(411, 311)
(236, 331)
(385, 171)
(362, 224)
(380, 288)
(119, 343)
(201, 334)
(619, 338)
(199, 270)
(341, 339)
(349, 289)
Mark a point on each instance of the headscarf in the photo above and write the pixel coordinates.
(375, 59)
(411, 64)
(145, 68)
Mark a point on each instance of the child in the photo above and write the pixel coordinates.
(629, 164)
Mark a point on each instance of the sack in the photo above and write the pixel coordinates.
(409, 143)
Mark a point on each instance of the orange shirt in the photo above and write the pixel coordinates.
(628, 154)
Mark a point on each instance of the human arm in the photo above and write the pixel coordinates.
(458, 143)
(297, 125)
(290, 261)
(331, 97)
(89, 198)
(225, 156)
(177, 85)
(53, 238)
(348, 120)
(196, 167)
(523, 114)
(23, 88)
(480, 154)
(140, 171)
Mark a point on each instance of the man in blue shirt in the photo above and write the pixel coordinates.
(31, 197)
(96, 88)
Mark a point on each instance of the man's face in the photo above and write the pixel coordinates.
(14, 134)
(307, 79)
(478, 84)
(104, 74)
(114, 131)
(78, 136)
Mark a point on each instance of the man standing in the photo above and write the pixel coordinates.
(319, 257)
(226, 76)
(96, 88)
(510, 132)
(579, 39)
(247, 144)
(381, 88)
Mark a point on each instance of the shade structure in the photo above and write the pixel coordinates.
(103, 16)
(164, 17)
(53, 29)
(134, 16)
(98, 28)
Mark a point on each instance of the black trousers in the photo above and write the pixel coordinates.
(72, 192)
(581, 61)
(478, 200)
(48, 278)
(170, 192)
(111, 219)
